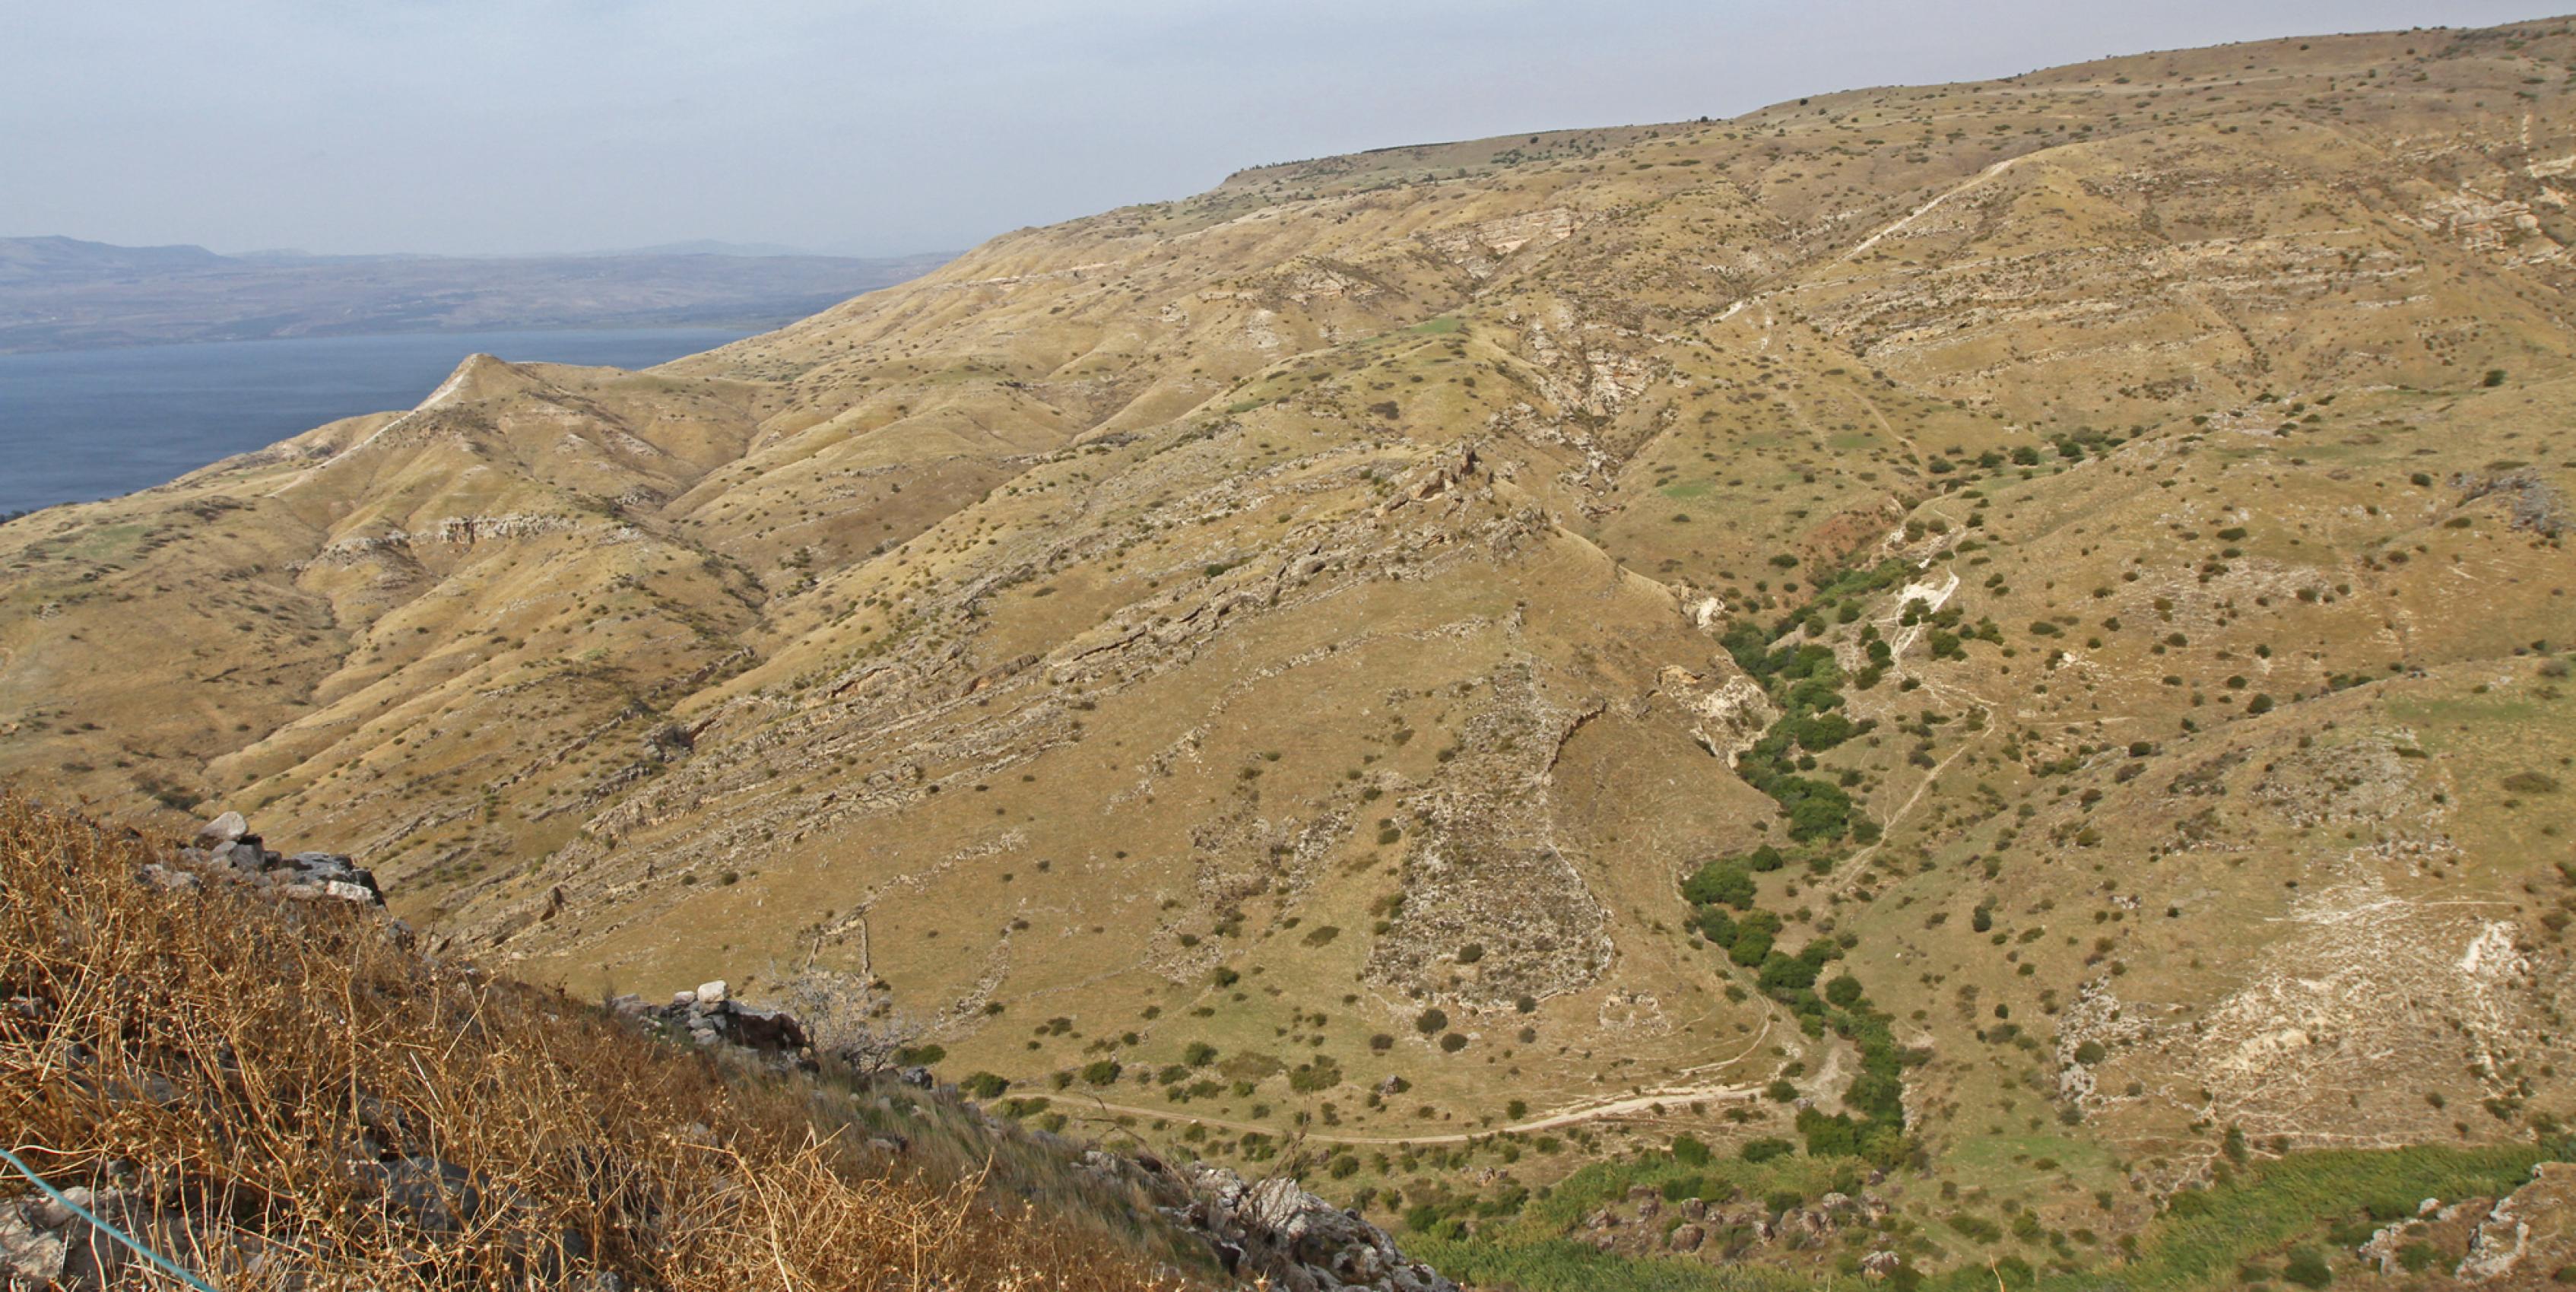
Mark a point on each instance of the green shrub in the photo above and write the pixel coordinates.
(2307, 1268)
(1321, 1074)
(1975, 1228)
(1765, 1149)
(1720, 882)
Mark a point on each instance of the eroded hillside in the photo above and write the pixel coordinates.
(1270, 662)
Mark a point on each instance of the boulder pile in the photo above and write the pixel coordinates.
(226, 850)
(711, 1016)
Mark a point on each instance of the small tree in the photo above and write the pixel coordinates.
(848, 1018)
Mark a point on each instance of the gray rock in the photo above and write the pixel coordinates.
(28, 1254)
(1686, 1238)
(165, 877)
(432, 1196)
(764, 1029)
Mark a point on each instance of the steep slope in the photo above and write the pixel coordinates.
(1273, 659)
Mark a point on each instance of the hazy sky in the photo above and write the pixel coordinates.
(467, 126)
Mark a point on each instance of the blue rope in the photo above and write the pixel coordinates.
(102, 1226)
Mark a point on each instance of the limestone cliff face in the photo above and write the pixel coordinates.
(1316, 615)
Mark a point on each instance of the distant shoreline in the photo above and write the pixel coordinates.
(79, 425)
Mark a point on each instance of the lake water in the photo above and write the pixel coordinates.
(81, 425)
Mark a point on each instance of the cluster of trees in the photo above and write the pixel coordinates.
(1725, 896)
(1805, 681)
(1725, 909)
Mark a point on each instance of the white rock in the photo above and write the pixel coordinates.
(49, 1214)
(711, 993)
(223, 830)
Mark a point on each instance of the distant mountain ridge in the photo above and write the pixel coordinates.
(38, 258)
(61, 293)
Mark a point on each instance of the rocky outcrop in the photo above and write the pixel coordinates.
(1269, 1233)
(1273, 1233)
(2526, 1234)
(1722, 1230)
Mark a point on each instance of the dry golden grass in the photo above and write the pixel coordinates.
(243, 1062)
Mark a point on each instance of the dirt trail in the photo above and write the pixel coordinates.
(1570, 1116)
(1919, 212)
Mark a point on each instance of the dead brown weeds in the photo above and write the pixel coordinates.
(288, 1095)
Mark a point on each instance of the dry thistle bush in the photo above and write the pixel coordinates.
(284, 1095)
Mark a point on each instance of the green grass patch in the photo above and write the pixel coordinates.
(105, 543)
(1441, 326)
(2003, 1163)
(2208, 1235)
(2460, 709)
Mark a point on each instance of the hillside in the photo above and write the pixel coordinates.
(265, 1083)
(1996, 652)
(67, 294)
